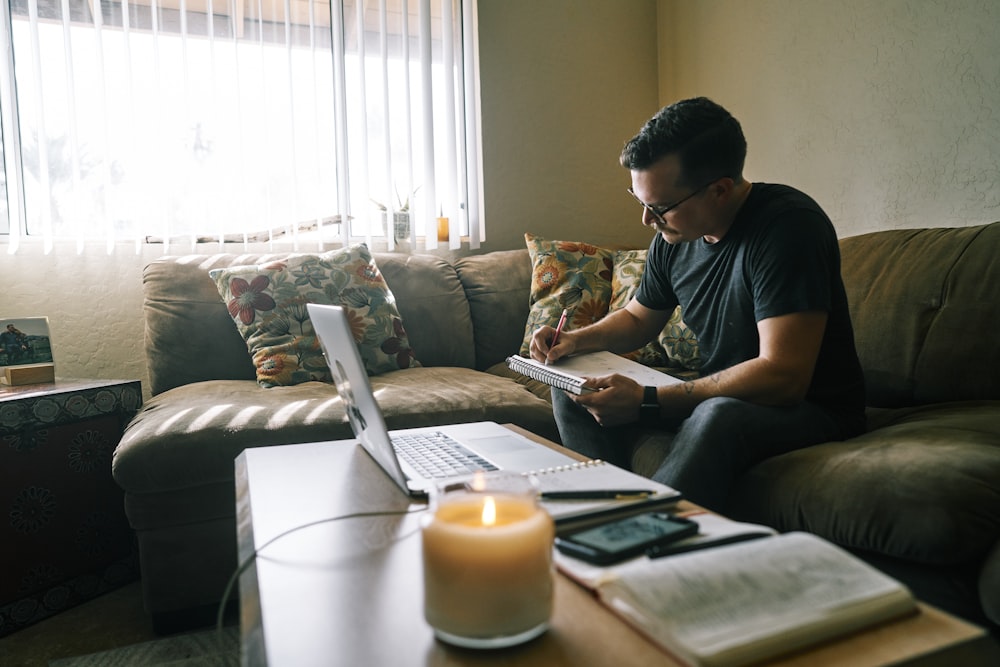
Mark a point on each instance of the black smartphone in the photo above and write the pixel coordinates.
(624, 538)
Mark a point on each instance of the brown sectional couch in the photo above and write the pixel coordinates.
(918, 495)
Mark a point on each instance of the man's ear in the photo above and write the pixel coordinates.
(722, 189)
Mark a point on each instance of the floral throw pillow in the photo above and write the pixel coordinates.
(268, 304)
(566, 274)
(675, 346)
(628, 267)
(679, 343)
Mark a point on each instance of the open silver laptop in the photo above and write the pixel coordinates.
(482, 445)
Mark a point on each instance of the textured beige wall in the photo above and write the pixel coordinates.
(94, 304)
(886, 111)
(564, 84)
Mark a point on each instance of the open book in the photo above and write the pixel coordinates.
(596, 477)
(742, 603)
(569, 373)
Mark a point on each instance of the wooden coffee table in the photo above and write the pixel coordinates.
(350, 591)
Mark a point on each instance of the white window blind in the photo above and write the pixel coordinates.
(198, 124)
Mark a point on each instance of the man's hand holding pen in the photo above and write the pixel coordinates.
(550, 344)
(559, 327)
(619, 397)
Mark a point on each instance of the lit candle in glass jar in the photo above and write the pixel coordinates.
(488, 564)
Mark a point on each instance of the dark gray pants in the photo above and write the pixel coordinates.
(719, 440)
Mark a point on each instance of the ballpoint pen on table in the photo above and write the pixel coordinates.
(598, 494)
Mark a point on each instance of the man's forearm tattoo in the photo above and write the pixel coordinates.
(715, 378)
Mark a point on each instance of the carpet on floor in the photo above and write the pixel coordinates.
(208, 648)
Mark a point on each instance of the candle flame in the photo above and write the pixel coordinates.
(489, 511)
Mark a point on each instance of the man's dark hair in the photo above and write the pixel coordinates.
(707, 139)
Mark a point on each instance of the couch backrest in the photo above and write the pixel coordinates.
(497, 285)
(432, 303)
(190, 336)
(925, 304)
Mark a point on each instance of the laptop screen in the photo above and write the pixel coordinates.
(349, 376)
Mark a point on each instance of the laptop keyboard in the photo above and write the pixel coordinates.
(435, 455)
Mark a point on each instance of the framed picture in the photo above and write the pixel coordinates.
(25, 350)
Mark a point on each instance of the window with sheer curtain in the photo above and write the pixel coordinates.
(200, 124)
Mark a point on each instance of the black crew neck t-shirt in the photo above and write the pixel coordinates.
(780, 256)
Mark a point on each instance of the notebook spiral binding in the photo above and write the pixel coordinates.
(569, 466)
(552, 378)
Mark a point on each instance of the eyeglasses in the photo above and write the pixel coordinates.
(660, 211)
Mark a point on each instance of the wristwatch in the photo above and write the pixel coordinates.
(649, 409)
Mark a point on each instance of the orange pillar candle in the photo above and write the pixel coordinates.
(443, 230)
(488, 572)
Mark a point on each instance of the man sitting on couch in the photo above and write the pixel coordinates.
(755, 268)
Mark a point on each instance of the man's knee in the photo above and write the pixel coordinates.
(559, 398)
(568, 414)
(721, 413)
(562, 406)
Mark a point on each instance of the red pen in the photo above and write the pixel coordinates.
(559, 328)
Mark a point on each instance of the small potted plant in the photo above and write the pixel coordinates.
(400, 216)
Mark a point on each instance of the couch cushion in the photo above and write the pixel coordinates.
(432, 302)
(924, 306)
(536, 387)
(181, 303)
(268, 305)
(960, 359)
(497, 286)
(189, 436)
(920, 485)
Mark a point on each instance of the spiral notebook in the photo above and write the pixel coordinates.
(570, 373)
